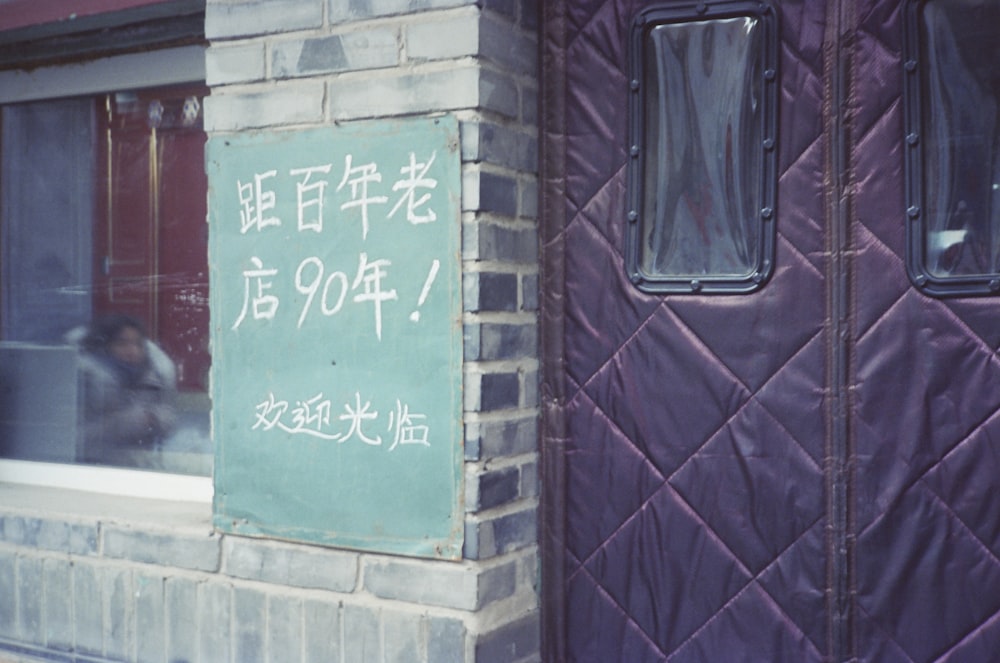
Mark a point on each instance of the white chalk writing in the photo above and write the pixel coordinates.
(368, 284)
(361, 185)
(360, 422)
(254, 201)
(416, 178)
(264, 306)
(310, 195)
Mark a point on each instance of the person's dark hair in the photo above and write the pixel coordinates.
(106, 328)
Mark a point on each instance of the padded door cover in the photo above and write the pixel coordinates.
(804, 473)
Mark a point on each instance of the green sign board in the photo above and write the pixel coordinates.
(337, 335)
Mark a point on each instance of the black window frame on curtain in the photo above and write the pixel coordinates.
(721, 221)
(952, 224)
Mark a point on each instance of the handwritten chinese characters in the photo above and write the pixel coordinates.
(342, 245)
(357, 420)
(258, 202)
(337, 333)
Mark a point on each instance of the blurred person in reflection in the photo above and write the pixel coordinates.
(129, 388)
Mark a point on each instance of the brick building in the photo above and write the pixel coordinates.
(103, 563)
(575, 330)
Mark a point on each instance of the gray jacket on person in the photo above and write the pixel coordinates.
(121, 414)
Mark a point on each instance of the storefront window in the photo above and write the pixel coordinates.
(104, 294)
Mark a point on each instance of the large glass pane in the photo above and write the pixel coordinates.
(48, 182)
(103, 305)
(958, 140)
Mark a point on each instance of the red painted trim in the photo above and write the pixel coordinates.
(16, 14)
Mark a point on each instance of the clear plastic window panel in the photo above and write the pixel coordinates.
(957, 62)
(703, 132)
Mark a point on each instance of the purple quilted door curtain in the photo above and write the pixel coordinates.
(799, 460)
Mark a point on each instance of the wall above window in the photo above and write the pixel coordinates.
(46, 32)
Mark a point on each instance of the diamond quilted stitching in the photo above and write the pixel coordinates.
(799, 219)
(798, 128)
(802, 375)
(796, 580)
(592, 149)
(981, 317)
(881, 19)
(601, 324)
(875, 645)
(595, 144)
(762, 630)
(920, 597)
(974, 462)
(604, 214)
(644, 332)
(876, 122)
(982, 644)
(764, 472)
(802, 26)
(881, 476)
(607, 465)
(605, 28)
(666, 429)
(881, 65)
(757, 340)
(928, 572)
(913, 532)
(678, 574)
(876, 263)
(878, 198)
(582, 12)
(914, 410)
(608, 634)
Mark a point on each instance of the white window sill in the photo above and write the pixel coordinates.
(108, 481)
(67, 505)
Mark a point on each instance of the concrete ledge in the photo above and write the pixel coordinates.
(291, 565)
(199, 553)
(78, 511)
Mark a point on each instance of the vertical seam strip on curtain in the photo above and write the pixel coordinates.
(552, 169)
(838, 67)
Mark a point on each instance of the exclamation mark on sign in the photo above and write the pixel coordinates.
(415, 316)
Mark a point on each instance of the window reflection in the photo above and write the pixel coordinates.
(103, 220)
(960, 132)
(129, 390)
(704, 130)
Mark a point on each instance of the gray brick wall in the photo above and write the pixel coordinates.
(355, 10)
(199, 553)
(256, 17)
(46, 534)
(125, 608)
(240, 63)
(385, 58)
(516, 641)
(150, 616)
(352, 51)
(88, 613)
(290, 565)
(181, 620)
